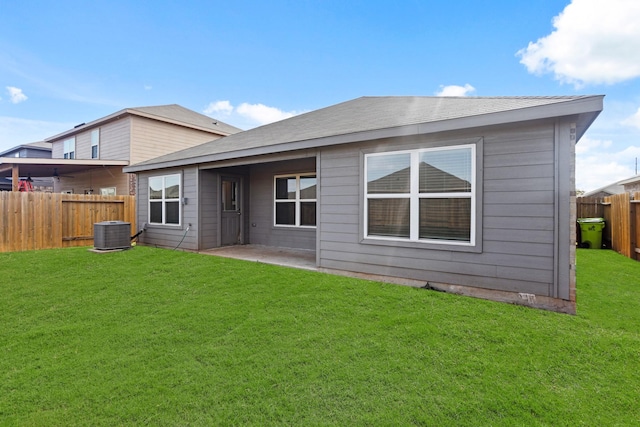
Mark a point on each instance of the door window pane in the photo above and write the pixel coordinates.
(229, 195)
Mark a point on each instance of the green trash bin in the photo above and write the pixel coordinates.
(591, 232)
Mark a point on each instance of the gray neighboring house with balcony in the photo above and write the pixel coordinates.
(472, 195)
(33, 150)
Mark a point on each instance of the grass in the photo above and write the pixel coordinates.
(157, 337)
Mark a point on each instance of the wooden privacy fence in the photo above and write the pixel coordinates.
(49, 220)
(622, 216)
(621, 213)
(590, 207)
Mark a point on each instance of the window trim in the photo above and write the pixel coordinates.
(164, 200)
(298, 201)
(415, 196)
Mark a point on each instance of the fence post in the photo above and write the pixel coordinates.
(633, 230)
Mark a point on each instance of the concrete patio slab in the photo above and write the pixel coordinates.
(287, 257)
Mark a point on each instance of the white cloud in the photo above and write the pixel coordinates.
(15, 95)
(633, 120)
(454, 90)
(586, 145)
(262, 114)
(594, 41)
(598, 166)
(247, 115)
(223, 107)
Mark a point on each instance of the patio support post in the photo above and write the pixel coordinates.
(15, 177)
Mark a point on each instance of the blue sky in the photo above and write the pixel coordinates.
(251, 62)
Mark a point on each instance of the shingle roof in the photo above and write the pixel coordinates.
(175, 112)
(363, 115)
(39, 145)
(172, 113)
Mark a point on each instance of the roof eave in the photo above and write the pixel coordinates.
(586, 109)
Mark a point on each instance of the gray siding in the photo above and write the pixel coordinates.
(209, 209)
(517, 209)
(170, 236)
(262, 229)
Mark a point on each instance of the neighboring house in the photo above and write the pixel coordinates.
(605, 191)
(471, 195)
(631, 185)
(34, 150)
(88, 159)
(628, 185)
(131, 135)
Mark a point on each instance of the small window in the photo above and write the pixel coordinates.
(95, 143)
(108, 191)
(164, 199)
(421, 195)
(295, 200)
(69, 147)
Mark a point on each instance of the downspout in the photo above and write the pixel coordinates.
(554, 292)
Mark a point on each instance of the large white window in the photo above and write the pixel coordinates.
(164, 199)
(95, 143)
(295, 200)
(69, 148)
(423, 195)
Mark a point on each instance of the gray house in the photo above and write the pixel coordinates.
(33, 150)
(469, 195)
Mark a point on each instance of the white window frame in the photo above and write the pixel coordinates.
(69, 148)
(108, 191)
(415, 196)
(95, 142)
(297, 200)
(164, 200)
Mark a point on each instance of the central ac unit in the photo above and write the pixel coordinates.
(108, 235)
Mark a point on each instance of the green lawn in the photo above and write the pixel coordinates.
(158, 337)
